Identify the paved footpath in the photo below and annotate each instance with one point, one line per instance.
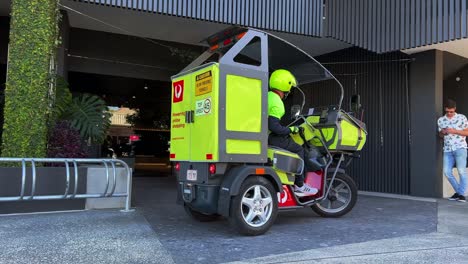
(80, 237)
(430, 248)
(448, 245)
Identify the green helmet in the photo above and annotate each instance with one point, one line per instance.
(282, 80)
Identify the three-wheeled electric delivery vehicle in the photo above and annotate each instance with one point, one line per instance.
(219, 135)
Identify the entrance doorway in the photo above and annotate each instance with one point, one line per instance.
(139, 133)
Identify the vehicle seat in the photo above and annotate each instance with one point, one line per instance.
(285, 160)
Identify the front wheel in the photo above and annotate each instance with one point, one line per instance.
(254, 210)
(341, 198)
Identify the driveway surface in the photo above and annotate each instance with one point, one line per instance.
(193, 242)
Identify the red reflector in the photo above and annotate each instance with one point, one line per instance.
(209, 156)
(227, 42)
(177, 166)
(260, 171)
(212, 168)
(240, 35)
(172, 155)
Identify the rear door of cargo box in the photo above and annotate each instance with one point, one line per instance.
(180, 113)
(204, 126)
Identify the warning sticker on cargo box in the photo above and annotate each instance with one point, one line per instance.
(203, 83)
(203, 107)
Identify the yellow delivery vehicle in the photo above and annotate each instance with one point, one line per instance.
(219, 135)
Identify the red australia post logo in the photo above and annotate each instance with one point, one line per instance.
(178, 91)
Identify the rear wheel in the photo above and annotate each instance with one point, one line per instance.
(341, 198)
(199, 216)
(254, 210)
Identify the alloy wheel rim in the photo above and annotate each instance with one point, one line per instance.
(256, 206)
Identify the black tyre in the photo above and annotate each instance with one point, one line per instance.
(254, 210)
(199, 216)
(341, 198)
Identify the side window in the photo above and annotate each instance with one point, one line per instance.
(251, 54)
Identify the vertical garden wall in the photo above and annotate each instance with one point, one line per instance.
(32, 47)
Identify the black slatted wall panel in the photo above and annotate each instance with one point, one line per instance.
(292, 16)
(384, 162)
(390, 25)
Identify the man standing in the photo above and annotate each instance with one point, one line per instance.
(453, 128)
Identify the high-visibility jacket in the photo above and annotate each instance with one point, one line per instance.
(275, 113)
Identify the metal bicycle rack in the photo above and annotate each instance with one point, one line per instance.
(110, 166)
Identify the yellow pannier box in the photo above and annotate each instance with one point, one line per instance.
(339, 130)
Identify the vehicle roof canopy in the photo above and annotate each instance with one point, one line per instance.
(281, 55)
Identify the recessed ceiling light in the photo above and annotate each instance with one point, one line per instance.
(133, 97)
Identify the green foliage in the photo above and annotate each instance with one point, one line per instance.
(32, 47)
(62, 102)
(89, 115)
(86, 113)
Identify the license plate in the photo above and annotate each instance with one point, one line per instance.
(192, 175)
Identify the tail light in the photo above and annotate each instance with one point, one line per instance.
(227, 42)
(177, 166)
(212, 168)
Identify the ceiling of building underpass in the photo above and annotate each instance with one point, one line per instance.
(121, 91)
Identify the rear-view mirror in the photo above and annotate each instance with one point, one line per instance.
(295, 111)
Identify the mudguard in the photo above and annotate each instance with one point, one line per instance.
(235, 177)
(340, 170)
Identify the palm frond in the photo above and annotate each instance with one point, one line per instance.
(89, 115)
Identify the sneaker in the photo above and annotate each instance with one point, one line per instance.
(454, 197)
(305, 190)
(461, 198)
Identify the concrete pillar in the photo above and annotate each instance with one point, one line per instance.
(426, 105)
(62, 51)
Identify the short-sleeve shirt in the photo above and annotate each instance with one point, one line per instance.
(453, 142)
(275, 105)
